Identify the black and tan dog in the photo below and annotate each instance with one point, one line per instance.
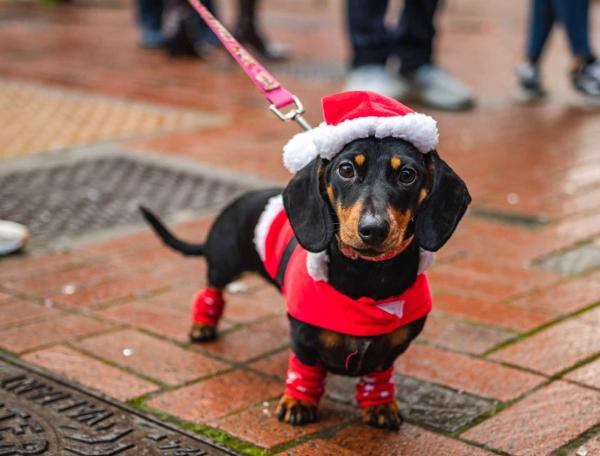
(377, 199)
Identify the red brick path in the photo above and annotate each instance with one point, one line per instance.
(113, 315)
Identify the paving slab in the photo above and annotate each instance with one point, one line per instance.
(553, 349)
(542, 422)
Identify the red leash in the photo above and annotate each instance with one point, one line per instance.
(270, 87)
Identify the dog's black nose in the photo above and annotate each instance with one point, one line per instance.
(373, 230)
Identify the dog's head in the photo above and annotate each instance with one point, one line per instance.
(375, 195)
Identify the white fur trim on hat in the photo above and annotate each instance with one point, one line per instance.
(273, 207)
(326, 141)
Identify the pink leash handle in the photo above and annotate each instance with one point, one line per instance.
(277, 95)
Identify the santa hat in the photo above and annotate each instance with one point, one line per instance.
(354, 115)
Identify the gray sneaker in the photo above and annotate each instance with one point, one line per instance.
(435, 88)
(587, 79)
(13, 237)
(530, 83)
(375, 78)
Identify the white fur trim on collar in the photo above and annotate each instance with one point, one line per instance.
(317, 263)
(426, 260)
(274, 206)
(326, 141)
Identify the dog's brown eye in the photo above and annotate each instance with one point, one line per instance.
(407, 176)
(346, 170)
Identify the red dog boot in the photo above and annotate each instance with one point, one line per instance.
(207, 310)
(304, 387)
(375, 394)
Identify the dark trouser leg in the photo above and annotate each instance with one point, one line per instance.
(150, 14)
(574, 15)
(205, 33)
(414, 38)
(369, 37)
(541, 20)
(247, 31)
(246, 15)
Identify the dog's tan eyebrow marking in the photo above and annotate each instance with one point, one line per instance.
(423, 194)
(395, 162)
(360, 159)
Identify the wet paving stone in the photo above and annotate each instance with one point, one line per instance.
(576, 260)
(422, 402)
(43, 415)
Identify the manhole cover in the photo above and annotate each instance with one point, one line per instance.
(575, 260)
(42, 415)
(74, 198)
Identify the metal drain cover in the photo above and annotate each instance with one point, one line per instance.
(46, 416)
(77, 197)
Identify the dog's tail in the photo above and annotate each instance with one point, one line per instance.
(168, 238)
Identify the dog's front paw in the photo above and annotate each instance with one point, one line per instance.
(202, 333)
(385, 416)
(296, 412)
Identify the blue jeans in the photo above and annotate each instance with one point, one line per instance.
(573, 14)
(373, 43)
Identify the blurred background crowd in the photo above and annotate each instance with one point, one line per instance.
(392, 50)
(394, 57)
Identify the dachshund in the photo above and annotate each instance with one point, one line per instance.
(359, 227)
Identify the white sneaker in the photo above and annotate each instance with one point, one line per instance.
(436, 88)
(13, 237)
(375, 78)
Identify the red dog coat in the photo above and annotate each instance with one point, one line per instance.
(318, 303)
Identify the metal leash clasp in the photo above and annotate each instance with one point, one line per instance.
(294, 114)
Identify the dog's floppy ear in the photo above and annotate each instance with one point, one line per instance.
(307, 209)
(444, 206)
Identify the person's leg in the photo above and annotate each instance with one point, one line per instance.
(424, 81)
(150, 20)
(205, 33)
(541, 20)
(415, 34)
(248, 32)
(585, 74)
(371, 45)
(369, 37)
(574, 15)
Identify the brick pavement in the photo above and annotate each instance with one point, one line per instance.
(509, 360)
